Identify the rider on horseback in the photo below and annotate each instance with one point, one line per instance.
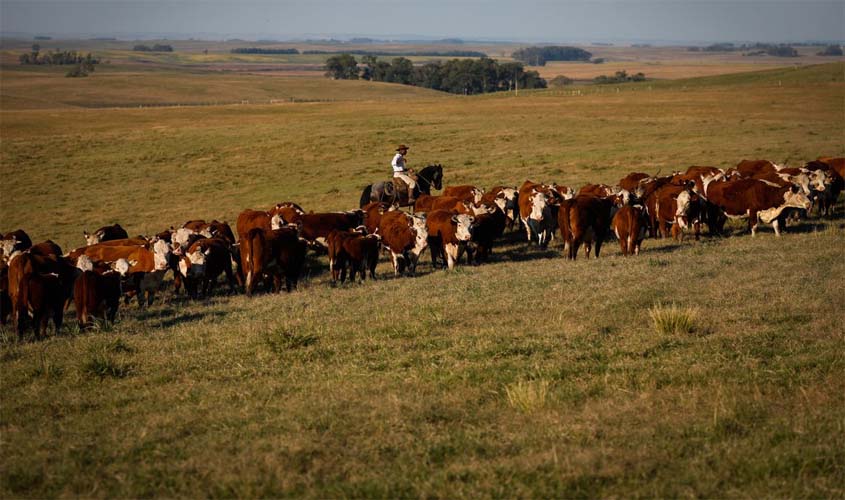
(401, 172)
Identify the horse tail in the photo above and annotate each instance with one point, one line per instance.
(366, 195)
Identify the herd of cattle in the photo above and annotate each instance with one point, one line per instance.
(39, 281)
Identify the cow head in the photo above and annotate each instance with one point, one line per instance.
(538, 204)
(91, 239)
(819, 180)
(7, 247)
(462, 226)
(181, 236)
(485, 208)
(162, 251)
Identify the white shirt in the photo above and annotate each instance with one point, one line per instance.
(398, 163)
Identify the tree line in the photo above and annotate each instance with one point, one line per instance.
(257, 50)
(59, 57)
(155, 48)
(781, 50)
(448, 53)
(537, 56)
(457, 76)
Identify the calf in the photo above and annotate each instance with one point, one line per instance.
(584, 219)
(354, 250)
(105, 233)
(448, 233)
(630, 225)
(507, 199)
(405, 236)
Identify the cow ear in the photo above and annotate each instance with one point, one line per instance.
(207, 251)
(455, 219)
(86, 234)
(132, 263)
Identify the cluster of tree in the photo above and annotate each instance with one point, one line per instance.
(58, 57)
(619, 77)
(458, 76)
(448, 53)
(560, 81)
(537, 56)
(256, 50)
(155, 48)
(781, 50)
(831, 50)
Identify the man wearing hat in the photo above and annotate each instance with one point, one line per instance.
(400, 171)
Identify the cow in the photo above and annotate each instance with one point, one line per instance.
(584, 219)
(405, 236)
(538, 204)
(5, 300)
(755, 200)
(467, 193)
(426, 203)
(834, 171)
(289, 211)
(317, 226)
(251, 219)
(203, 262)
(14, 241)
(105, 233)
(355, 250)
(486, 229)
(274, 254)
(372, 214)
(507, 199)
(151, 262)
(633, 182)
(97, 290)
(750, 168)
(630, 226)
(676, 205)
(39, 284)
(448, 233)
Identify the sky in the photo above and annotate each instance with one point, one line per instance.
(528, 20)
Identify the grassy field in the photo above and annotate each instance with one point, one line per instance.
(529, 377)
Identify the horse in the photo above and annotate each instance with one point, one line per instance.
(385, 191)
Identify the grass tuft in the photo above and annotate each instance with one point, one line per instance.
(102, 364)
(46, 368)
(673, 319)
(527, 396)
(281, 340)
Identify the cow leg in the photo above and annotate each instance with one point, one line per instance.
(230, 278)
(451, 252)
(753, 222)
(58, 318)
(776, 226)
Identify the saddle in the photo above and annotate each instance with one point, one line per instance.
(397, 186)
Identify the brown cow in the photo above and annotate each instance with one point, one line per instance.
(272, 254)
(97, 291)
(39, 284)
(105, 233)
(372, 214)
(251, 219)
(755, 200)
(289, 211)
(538, 205)
(427, 203)
(354, 250)
(448, 233)
(14, 241)
(584, 219)
(317, 226)
(675, 205)
(204, 261)
(630, 225)
(405, 236)
(633, 182)
(750, 168)
(834, 184)
(467, 193)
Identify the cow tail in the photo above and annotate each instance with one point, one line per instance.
(365, 196)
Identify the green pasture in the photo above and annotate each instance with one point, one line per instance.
(528, 377)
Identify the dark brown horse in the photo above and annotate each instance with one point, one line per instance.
(385, 191)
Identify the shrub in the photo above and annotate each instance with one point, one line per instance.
(527, 396)
(673, 320)
(831, 50)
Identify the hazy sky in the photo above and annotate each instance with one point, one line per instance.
(561, 20)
